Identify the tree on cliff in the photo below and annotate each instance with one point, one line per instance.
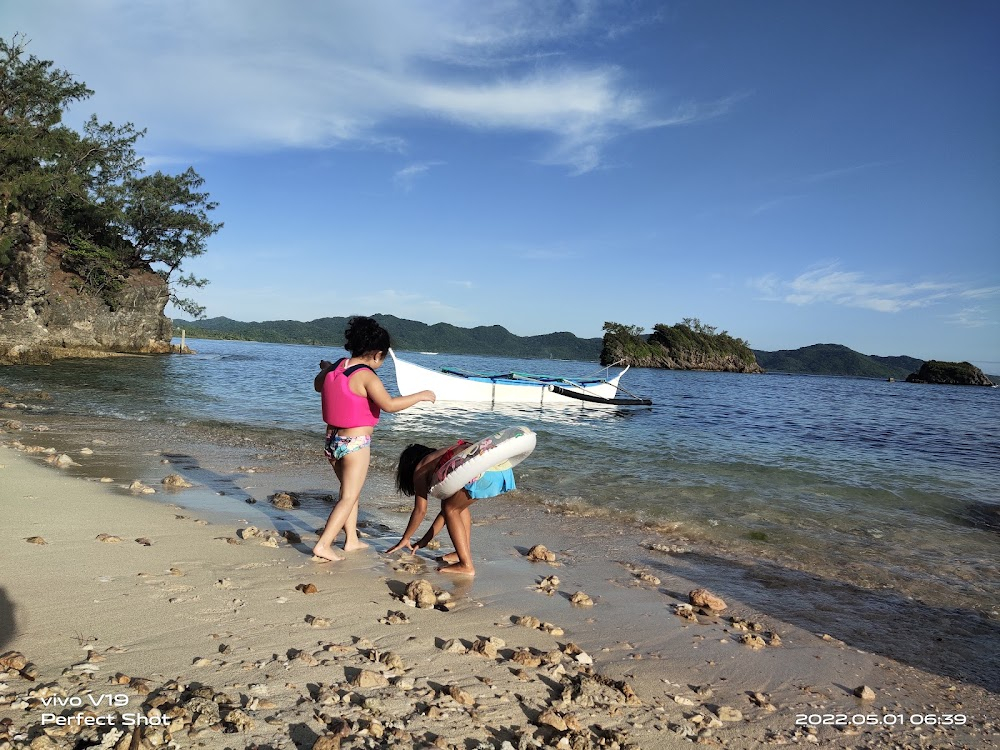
(88, 187)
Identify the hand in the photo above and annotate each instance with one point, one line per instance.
(429, 396)
(400, 545)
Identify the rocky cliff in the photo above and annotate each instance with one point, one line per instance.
(671, 359)
(686, 346)
(48, 312)
(949, 373)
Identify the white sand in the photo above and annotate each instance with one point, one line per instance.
(193, 610)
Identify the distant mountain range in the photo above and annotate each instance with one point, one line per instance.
(836, 359)
(407, 335)
(410, 335)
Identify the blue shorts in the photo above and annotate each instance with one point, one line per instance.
(491, 484)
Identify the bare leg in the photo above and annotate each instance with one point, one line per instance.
(352, 470)
(452, 557)
(351, 540)
(458, 519)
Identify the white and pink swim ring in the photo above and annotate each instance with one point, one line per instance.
(508, 447)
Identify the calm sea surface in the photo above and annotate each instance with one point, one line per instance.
(884, 485)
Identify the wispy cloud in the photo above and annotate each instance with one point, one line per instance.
(973, 317)
(771, 204)
(833, 174)
(982, 292)
(405, 178)
(829, 284)
(250, 74)
(413, 306)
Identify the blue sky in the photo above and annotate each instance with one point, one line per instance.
(792, 172)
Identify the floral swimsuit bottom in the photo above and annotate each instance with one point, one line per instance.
(335, 447)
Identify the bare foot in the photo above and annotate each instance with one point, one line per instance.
(458, 569)
(326, 553)
(355, 546)
(451, 557)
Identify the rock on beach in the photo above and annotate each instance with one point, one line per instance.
(705, 598)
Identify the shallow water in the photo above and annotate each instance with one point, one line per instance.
(882, 485)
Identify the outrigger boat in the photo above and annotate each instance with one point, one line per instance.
(450, 384)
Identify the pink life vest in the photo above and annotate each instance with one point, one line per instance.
(341, 407)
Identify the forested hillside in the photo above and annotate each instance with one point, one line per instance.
(406, 335)
(836, 359)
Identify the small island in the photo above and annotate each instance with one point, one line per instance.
(689, 345)
(949, 373)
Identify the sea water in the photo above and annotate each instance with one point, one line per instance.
(877, 484)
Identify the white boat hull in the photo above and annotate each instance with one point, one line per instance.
(411, 378)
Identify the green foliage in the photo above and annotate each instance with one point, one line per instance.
(690, 342)
(100, 269)
(836, 359)
(624, 342)
(6, 252)
(949, 373)
(88, 186)
(691, 337)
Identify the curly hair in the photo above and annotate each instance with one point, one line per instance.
(412, 455)
(364, 335)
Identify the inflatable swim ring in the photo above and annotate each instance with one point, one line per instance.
(508, 447)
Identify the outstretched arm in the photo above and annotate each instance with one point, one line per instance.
(378, 394)
(416, 518)
(432, 532)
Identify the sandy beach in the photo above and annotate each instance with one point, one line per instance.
(135, 619)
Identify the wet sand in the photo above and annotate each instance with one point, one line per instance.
(203, 634)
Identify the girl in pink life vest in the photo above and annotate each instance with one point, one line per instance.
(353, 397)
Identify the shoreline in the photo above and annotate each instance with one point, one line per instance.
(631, 632)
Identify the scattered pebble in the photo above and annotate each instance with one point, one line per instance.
(705, 598)
(421, 593)
(394, 618)
(728, 713)
(548, 585)
(175, 481)
(540, 553)
(865, 693)
(285, 500)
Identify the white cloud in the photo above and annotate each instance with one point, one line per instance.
(254, 74)
(830, 285)
(405, 177)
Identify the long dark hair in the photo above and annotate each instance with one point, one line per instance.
(412, 455)
(365, 335)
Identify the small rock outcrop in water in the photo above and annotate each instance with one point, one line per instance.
(949, 373)
(689, 345)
